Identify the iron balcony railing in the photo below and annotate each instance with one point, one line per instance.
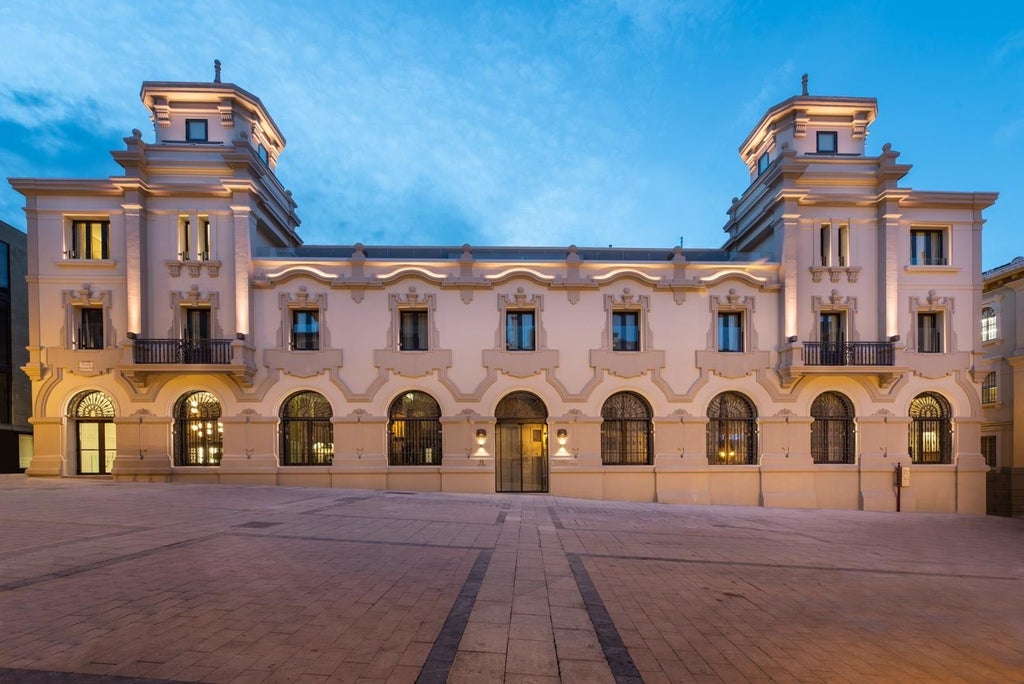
(848, 353)
(182, 351)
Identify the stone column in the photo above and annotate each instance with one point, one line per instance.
(970, 466)
(575, 468)
(249, 450)
(787, 471)
(883, 441)
(48, 452)
(681, 465)
(468, 463)
(143, 442)
(360, 451)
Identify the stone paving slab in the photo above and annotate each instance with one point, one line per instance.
(117, 582)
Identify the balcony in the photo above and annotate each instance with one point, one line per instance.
(849, 353)
(149, 356)
(181, 351)
(798, 359)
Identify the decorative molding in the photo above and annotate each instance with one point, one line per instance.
(733, 302)
(194, 298)
(521, 301)
(627, 301)
(301, 299)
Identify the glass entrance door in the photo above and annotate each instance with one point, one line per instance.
(97, 446)
(522, 457)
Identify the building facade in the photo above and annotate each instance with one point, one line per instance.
(15, 390)
(180, 330)
(1002, 339)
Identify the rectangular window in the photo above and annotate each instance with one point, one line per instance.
(414, 333)
(832, 327)
(89, 240)
(762, 163)
(927, 247)
(730, 332)
(988, 450)
(520, 331)
(305, 329)
(196, 130)
(989, 389)
(844, 245)
(261, 152)
(825, 244)
(203, 239)
(184, 238)
(828, 142)
(197, 324)
(626, 331)
(989, 324)
(90, 328)
(5, 266)
(929, 333)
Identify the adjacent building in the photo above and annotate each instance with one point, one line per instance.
(180, 330)
(15, 390)
(1002, 340)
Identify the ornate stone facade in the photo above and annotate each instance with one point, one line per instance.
(831, 338)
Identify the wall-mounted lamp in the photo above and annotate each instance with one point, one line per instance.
(791, 338)
(239, 336)
(132, 336)
(894, 338)
(481, 436)
(563, 436)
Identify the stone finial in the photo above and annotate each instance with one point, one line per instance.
(216, 71)
(803, 84)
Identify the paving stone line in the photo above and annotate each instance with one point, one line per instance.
(793, 566)
(96, 565)
(615, 651)
(442, 654)
(20, 676)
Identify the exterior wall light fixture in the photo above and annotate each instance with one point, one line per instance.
(563, 436)
(481, 436)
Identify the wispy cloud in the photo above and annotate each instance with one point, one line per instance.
(1005, 48)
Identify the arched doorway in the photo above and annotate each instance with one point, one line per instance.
(95, 432)
(522, 444)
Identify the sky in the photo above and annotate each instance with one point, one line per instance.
(602, 122)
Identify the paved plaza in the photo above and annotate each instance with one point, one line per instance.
(140, 582)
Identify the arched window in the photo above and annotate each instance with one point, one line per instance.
(96, 444)
(832, 429)
(931, 430)
(307, 436)
(198, 432)
(732, 430)
(414, 430)
(989, 324)
(989, 389)
(626, 430)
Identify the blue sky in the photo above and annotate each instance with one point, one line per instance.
(594, 123)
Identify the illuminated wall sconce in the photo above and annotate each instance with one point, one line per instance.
(563, 436)
(791, 338)
(481, 436)
(239, 336)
